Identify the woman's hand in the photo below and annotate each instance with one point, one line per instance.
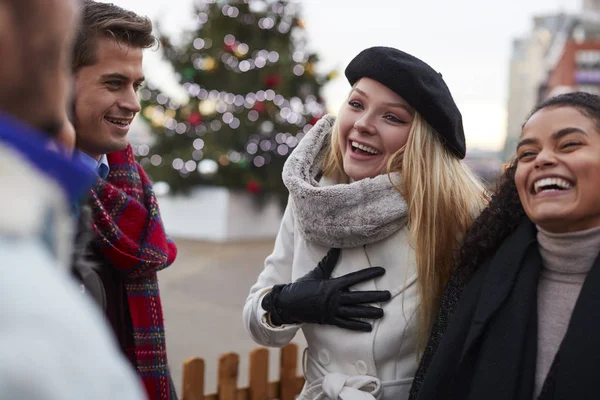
(318, 299)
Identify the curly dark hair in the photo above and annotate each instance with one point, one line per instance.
(499, 219)
(505, 212)
(586, 103)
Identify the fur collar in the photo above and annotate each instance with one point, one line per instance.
(340, 215)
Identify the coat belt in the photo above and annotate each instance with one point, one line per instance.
(338, 386)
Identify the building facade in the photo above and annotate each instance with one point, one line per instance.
(561, 54)
(527, 73)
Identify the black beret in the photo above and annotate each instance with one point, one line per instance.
(417, 83)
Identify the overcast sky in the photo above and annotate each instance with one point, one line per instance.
(468, 41)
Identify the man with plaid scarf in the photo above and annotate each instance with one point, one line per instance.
(130, 244)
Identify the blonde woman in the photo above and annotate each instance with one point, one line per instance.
(379, 202)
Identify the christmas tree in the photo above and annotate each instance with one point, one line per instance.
(253, 93)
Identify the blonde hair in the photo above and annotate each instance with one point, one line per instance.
(444, 197)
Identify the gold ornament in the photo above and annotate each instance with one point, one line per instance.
(207, 107)
(310, 69)
(185, 112)
(158, 120)
(148, 112)
(224, 160)
(155, 115)
(209, 64)
(301, 23)
(170, 113)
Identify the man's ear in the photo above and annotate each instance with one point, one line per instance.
(71, 109)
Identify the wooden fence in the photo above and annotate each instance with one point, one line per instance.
(288, 386)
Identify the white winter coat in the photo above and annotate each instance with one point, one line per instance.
(341, 363)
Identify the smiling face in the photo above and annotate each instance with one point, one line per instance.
(106, 97)
(558, 170)
(373, 125)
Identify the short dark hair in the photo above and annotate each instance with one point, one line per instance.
(586, 103)
(26, 14)
(108, 20)
(21, 10)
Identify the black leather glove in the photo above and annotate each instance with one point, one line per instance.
(318, 299)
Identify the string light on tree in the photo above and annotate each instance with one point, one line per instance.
(251, 98)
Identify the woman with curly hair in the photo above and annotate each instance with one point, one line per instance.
(520, 317)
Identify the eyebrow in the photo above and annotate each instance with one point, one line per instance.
(400, 105)
(555, 136)
(122, 77)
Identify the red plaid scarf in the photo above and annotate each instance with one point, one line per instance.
(133, 239)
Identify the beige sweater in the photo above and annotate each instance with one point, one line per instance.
(567, 258)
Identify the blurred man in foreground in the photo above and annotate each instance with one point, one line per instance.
(54, 343)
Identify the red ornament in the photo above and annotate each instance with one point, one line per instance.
(273, 80)
(259, 106)
(315, 120)
(253, 186)
(195, 118)
(229, 48)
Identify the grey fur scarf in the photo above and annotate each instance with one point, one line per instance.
(340, 215)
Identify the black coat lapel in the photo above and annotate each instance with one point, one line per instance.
(439, 375)
(500, 279)
(441, 380)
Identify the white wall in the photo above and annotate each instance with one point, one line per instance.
(218, 215)
(246, 221)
